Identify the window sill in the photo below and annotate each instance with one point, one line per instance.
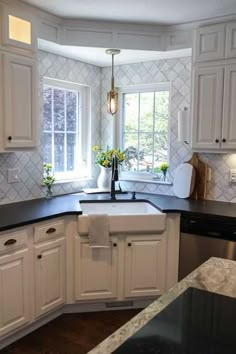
(71, 180)
(153, 181)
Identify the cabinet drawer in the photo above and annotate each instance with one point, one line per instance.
(13, 240)
(49, 231)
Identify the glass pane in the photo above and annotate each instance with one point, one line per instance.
(59, 109)
(131, 109)
(160, 148)
(161, 127)
(131, 147)
(47, 147)
(145, 152)
(71, 111)
(71, 146)
(161, 110)
(146, 111)
(47, 108)
(59, 152)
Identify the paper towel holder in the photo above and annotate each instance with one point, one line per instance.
(183, 126)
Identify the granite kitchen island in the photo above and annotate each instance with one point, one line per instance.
(216, 275)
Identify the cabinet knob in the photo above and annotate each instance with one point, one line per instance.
(114, 244)
(224, 140)
(129, 244)
(9, 138)
(39, 256)
(217, 140)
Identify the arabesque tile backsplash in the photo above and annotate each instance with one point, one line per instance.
(177, 71)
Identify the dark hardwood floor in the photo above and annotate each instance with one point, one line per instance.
(71, 333)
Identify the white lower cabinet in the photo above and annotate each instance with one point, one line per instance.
(96, 270)
(50, 282)
(145, 258)
(14, 290)
(134, 265)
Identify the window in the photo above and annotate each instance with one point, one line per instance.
(64, 128)
(145, 126)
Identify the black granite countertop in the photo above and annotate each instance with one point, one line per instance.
(27, 212)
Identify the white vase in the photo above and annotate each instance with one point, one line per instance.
(104, 179)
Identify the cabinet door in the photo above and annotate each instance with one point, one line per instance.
(209, 43)
(229, 111)
(145, 258)
(96, 270)
(231, 40)
(207, 98)
(20, 102)
(14, 291)
(49, 275)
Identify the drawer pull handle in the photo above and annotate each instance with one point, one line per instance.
(129, 244)
(9, 138)
(39, 256)
(51, 230)
(114, 244)
(9, 242)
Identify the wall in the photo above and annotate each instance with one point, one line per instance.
(178, 72)
(31, 163)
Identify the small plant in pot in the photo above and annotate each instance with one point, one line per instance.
(48, 179)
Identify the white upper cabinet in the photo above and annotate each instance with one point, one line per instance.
(231, 40)
(19, 102)
(207, 107)
(209, 43)
(229, 111)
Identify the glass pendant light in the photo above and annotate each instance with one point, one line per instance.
(112, 95)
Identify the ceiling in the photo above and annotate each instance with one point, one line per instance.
(139, 11)
(97, 56)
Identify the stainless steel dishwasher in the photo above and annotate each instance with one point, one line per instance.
(202, 237)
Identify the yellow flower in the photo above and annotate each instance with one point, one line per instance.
(105, 163)
(95, 148)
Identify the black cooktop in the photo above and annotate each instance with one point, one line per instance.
(197, 322)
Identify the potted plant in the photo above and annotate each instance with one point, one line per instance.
(104, 161)
(48, 179)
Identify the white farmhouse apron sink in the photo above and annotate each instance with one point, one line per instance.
(124, 216)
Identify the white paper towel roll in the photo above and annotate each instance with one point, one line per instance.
(183, 126)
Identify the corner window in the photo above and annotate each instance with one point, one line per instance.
(64, 128)
(144, 127)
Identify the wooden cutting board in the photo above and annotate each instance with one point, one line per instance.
(200, 190)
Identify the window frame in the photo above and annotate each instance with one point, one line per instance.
(119, 124)
(83, 134)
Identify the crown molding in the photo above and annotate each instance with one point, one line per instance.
(107, 34)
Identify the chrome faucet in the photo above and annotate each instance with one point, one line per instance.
(114, 177)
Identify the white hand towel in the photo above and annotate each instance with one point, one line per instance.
(98, 230)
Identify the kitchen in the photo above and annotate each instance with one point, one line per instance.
(42, 64)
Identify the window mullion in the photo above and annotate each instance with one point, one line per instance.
(138, 131)
(65, 135)
(52, 112)
(153, 131)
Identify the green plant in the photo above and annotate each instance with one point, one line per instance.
(104, 157)
(48, 178)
